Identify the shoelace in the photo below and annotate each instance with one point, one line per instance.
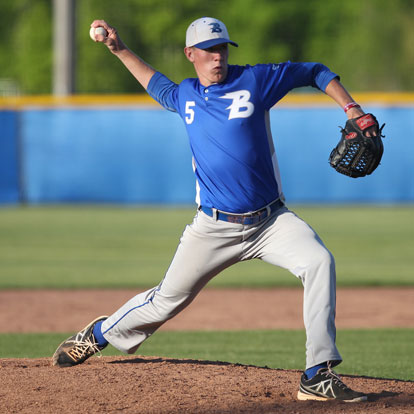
(330, 373)
(82, 346)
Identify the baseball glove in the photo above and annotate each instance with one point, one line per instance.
(357, 155)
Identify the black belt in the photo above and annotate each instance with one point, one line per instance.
(249, 218)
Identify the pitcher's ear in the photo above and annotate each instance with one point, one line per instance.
(189, 53)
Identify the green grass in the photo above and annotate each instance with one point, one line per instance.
(383, 353)
(110, 247)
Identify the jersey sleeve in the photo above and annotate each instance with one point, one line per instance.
(164, 91)
(276, 80)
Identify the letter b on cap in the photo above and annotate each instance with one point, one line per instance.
(215, 28)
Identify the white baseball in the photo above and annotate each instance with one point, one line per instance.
(97, 31)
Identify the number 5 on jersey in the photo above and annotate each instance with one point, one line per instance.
(189, 112)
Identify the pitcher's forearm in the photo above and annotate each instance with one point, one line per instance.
(342, 97)
(141, 70)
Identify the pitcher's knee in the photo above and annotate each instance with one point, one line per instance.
(166, 308)
(320, 264)
(325, 258)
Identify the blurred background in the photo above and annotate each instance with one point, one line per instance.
(76, 127)
(369, 42)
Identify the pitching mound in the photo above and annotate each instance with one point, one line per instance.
(161, 385)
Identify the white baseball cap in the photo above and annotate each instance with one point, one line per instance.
(207, 32)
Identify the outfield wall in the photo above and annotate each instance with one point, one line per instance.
(129, 150)
(9, 165)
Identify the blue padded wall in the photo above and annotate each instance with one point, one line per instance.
(141, 155)
(9, 168)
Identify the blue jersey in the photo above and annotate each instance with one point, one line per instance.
(228, 127)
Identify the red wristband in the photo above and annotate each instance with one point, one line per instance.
(347, 107)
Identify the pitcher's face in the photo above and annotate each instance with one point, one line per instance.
(210, 64)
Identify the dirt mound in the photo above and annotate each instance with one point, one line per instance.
(162, 385)
(159, 385)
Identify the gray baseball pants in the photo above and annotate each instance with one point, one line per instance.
(209, 246)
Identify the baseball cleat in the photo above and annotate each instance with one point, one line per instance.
(79, 347)
(326, 385)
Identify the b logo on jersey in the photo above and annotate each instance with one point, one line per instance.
(215, 28)
(241, 107)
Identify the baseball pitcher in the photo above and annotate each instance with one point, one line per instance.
(241, 213)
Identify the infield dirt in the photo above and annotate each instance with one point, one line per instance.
(137, 384)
